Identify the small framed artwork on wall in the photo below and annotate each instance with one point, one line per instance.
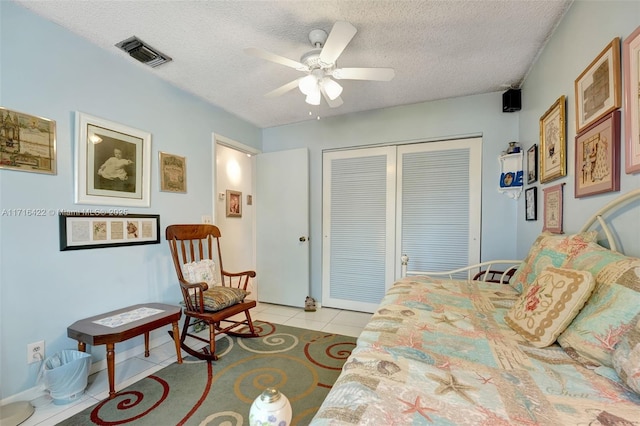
(553, 199)
(553, 143)
(631, 63)
(532, 164)
(234, 203)
(531, 203)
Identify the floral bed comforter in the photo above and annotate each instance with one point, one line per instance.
(438, 352)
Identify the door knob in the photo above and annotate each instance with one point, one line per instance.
(303, 239)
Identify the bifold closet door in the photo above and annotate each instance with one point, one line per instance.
(358, 227)
(439, 204)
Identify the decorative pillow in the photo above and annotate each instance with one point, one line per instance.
(202, 271)
(551, 302)
(626, 357)
(548, 250)
(609, 312)
(219, 297)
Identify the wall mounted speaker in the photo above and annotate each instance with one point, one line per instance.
(511, 100)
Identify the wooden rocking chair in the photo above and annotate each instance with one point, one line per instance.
(212, 303)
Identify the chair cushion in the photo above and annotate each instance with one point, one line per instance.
(201, 271)
(549, 305)
(592, 336)
(218, 297)
(548, 250)
(626, 356)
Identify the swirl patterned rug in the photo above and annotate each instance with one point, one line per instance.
(302, 364)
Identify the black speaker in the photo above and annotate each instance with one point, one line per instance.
(511, 100)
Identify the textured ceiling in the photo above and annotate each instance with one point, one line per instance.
(439, 49)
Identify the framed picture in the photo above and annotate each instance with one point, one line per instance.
(87, 231)
(532, 164)
(531, 203)
(631, 60)
(234, 203)
(27, 142)
(553, 142)
(553, 209)
(598, 87)
(598, 157)
(113, 163)
(173, 173)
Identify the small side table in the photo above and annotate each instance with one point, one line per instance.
(91, 331)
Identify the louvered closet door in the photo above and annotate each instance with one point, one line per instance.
(439, 200)
(358, 227)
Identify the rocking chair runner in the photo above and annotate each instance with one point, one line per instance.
(205, 303)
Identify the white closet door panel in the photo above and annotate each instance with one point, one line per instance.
(358, 227)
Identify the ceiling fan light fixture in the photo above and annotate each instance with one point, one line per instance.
(331, 88)
(308, 84)
(313, 98)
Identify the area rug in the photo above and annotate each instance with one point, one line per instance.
(302, 364)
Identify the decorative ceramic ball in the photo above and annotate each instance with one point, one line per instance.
(271, 408)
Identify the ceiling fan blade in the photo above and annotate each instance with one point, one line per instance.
(282, 89)
(253, 51)
(376, 74)
(332, 103)
(340, 36)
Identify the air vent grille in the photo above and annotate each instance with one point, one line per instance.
(142, 52)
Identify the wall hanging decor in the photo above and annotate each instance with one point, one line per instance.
(598, 157)
(87, 231)
(553, 142)
(631, 61)
(511, 174)
(27, 142)
(553, 199)
(173, 172)
(597, 89)
(531, 203)
(113, 163)
(532, 164)
(234, 203)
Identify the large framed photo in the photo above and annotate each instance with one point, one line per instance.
(27, 142)
(598, 88)
(531, 203)
(631, 60)
(598, 157)
(87, 231)
(234, 203)
(173, 173)
(553, 142)
(113, 163)
(553, 200)
(532, 164)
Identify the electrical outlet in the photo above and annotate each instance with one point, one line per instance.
(35, 352)
(206, 219)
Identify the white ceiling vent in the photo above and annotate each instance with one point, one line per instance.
(142, 52)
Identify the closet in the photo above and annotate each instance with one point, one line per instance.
(421, 199)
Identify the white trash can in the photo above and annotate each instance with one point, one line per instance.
(65, 375)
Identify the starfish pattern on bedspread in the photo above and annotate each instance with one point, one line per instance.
(451, 384)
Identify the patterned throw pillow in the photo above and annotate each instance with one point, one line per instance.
(609, 312)
(202, 271)
(219, 297)
(549, 250)
(626, 356)
(549, 305)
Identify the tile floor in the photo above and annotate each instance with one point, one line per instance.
(133, 369)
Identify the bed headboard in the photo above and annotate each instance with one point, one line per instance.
(602, 219)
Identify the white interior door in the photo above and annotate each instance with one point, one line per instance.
(282, 227)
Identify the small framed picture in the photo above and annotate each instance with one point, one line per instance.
(234, 203)
(553, 199)
(27, 142)
(173, 173)
(532, 164)
(598, 88)
(631, 63)
(531, 203)
(553, 142)
(89, 231)
(598, 157)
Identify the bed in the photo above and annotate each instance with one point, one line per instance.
(559, 344)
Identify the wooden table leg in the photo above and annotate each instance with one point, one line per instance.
(146, 344)
(176, 339)
(111, 355)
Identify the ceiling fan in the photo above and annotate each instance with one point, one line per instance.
(321, 68)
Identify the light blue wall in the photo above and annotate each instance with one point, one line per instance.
(49, 72)
(471, 115)
(587, 28)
